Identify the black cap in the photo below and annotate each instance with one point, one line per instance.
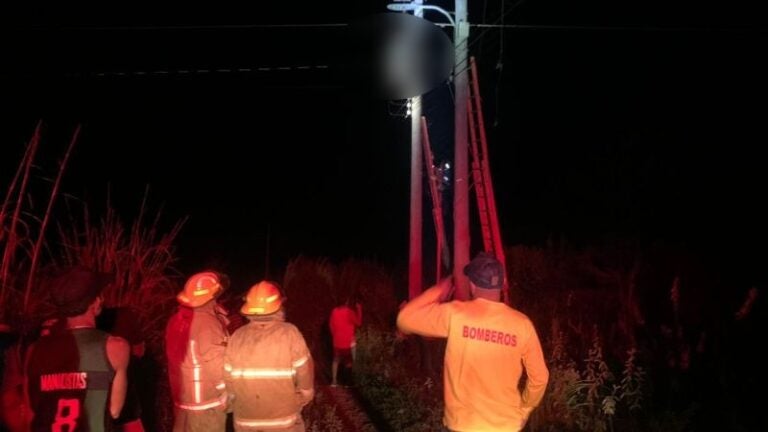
(485, 271)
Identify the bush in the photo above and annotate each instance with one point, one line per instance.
(396, 398)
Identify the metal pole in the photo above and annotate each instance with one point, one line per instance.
(415, 255)
(461, 173)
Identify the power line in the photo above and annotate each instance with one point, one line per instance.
(442, 25)
(199, 71)
(199, 27)
(645, 29)
(622, 28)
(498, 23)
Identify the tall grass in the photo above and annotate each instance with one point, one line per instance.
(603, 342)
(23, 233)
(139, 256)
(15, 233)
(44, 224)
(22, 242)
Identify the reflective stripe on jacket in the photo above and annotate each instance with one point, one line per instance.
(195, 342)
(270, 373)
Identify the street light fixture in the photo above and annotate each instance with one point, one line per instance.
(407, 7)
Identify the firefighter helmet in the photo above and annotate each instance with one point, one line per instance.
(264, 298)
(202, 288)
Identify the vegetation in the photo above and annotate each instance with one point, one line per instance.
(637, 337)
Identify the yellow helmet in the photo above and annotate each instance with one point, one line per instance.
(201, 288)
(264, 298)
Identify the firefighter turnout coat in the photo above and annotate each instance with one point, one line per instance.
(270, 374)
(195, 343)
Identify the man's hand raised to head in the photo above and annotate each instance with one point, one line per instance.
(447, 289)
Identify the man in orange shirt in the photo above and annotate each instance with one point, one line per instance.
(489, 344)
(343, 322)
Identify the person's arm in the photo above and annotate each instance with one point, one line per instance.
(425, 315)
(210, 344)
(536, 369)
(304, 368)
(119, 354)
(210, 348)
(228, 379)
(209, 336)
(27, 411)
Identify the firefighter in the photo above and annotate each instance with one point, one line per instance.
(195, 339)
(489, 344)
(76, 376)
(269, 370)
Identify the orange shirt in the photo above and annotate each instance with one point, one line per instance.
(489, 343)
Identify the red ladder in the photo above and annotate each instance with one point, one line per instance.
(481, 175)
(437, 209)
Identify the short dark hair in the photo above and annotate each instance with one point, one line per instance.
(73, 289)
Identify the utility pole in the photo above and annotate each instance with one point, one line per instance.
(415, 253)
(461, 151)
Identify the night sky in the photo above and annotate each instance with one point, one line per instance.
(647, 122)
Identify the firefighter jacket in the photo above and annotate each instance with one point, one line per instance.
(270, 374)
(489, 343)
(195, 340)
